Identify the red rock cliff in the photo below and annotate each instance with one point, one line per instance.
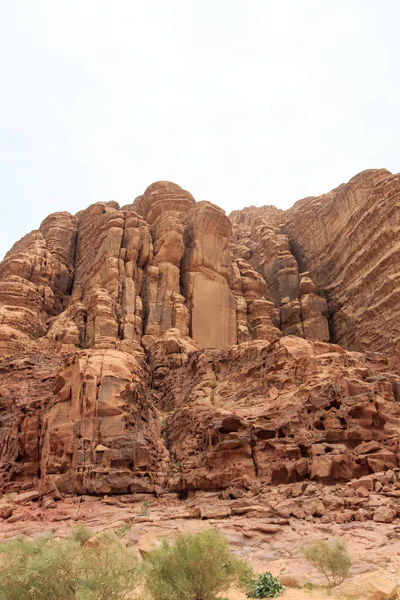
(163, 345)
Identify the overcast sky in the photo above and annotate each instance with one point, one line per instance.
(239, 101)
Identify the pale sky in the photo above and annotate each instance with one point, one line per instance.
(239, 101)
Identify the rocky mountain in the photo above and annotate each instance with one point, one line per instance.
(163, 345)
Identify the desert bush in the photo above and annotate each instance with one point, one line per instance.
(39, 569)
(196, 567)
(329, 558)
(109, 571)
(265, 586)
(81, 534)
(47, 569)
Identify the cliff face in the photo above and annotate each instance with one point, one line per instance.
(163, 345)
(354, 253)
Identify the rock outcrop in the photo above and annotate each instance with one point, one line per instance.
(279, 412)
(349, 241)
(163, 345)
(298, 308)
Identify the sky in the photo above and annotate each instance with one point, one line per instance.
(239, 101)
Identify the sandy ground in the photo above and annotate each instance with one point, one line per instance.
(288, 594)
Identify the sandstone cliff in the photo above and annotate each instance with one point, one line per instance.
(165, 346)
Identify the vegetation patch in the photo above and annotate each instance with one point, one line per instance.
(265, 586)
(47, 569)
(196, 567)
(329, 558)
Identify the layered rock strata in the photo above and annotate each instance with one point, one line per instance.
(164, 346)
(353, 254)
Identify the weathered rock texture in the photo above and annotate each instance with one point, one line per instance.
(165, 346)
(349, 241)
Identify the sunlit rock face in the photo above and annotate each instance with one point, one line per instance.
(164, 345)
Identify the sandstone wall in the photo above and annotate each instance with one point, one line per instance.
(349, 240)
(164, 346)
(277, 412)
(114, 277)
(90, 295)
(298, 308)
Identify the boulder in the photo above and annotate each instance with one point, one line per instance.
(215, 512)
(147, 542)
(371, 586)
(384, 514)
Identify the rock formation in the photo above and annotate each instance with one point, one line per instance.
(352, 254)
(165, 346)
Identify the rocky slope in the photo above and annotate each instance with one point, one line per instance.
(162, 346)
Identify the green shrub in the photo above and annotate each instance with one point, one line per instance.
(47, 569)
(81, 534)
(110, 572)
(197, 567)
(265, 586)
(41, 569)
(329, 558)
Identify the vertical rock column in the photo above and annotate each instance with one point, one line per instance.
(259, 311)
(101, 228)
(59, 230)
(26, 293)
(301, 311)
(314, 310)
(281, 272)
(206, 269)
(135, 253)
(113, 248)
(164, 205)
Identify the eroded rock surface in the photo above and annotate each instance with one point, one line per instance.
(349, 241)
(164, 346)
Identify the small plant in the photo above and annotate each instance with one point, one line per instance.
(329, 558)
(265, 586)
(197, 567)
(310, 586)
(175, 465)
(144, 511)
(167, 406)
